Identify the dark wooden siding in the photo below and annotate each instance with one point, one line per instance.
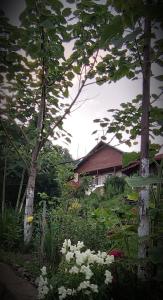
(104, 158)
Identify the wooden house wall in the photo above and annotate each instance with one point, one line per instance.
(104, 158)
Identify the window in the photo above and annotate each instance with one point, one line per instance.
(100, 179)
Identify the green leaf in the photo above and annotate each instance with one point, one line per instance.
(103, 124)
(111, 30)
(66, 93)
(70, 75)
(68, 139)
(103, 137)
(94, 132)
(96, 120)
(66, 12)
(133, 196)
(118, 136)
(76, 69)
(132, 36)
(139, 181)
(128, 143)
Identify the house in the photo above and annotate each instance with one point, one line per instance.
(134, 166)
(101, 162)
(104, 161)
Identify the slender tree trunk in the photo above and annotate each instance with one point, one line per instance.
(29, 203)
(4, 187)
(143, 228)
(35, 152)
(20, 190)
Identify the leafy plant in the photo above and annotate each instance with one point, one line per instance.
(114, 185)
(10, 230)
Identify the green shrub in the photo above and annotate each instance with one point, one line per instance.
(10, 230)
(114, 185)
(71, 224)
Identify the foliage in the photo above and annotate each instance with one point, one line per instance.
(114, 185)
(85, 182)
(129, 157)
(123, 42)
(11, 230)
(75, 221)
(128, 119)
(53, 171)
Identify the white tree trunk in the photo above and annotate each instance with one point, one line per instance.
(143, 228)
(29, 204)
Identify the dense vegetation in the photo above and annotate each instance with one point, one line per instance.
(87, 247)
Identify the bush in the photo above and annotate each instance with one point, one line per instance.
(10, 230)
(114, 185)
(75, 225)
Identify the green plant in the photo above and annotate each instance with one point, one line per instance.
(10, 229)
(81, 274)
(73, 222)
(114, 185)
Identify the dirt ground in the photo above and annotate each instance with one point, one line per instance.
(13, 287)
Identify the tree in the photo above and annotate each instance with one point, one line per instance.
(39, 79)
(144, 221)
(129, 157)
(130, 35)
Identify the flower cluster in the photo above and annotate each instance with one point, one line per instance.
(116, 253)
(43, 287)
(83, 263)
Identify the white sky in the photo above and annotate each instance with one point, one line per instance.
(101, 98)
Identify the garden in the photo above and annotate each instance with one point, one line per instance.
(85, 247)
(70, 245)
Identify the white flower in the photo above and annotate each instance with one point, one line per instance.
(43, 270)
(69, 256)
(109, 259)
(99, 260)
(83, 285)
(17, 121)
(108, 276)
(80, 245)
(61, 297)
(42, 281)
(83, 261)
(63, 250)
(87, 271)
(4, 117)
(69, 292)
(74, 270)
(80, 257)
(94, 288)
(62, 292)
(68, 242)
(91, 258)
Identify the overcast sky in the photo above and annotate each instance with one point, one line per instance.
(100, 98)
